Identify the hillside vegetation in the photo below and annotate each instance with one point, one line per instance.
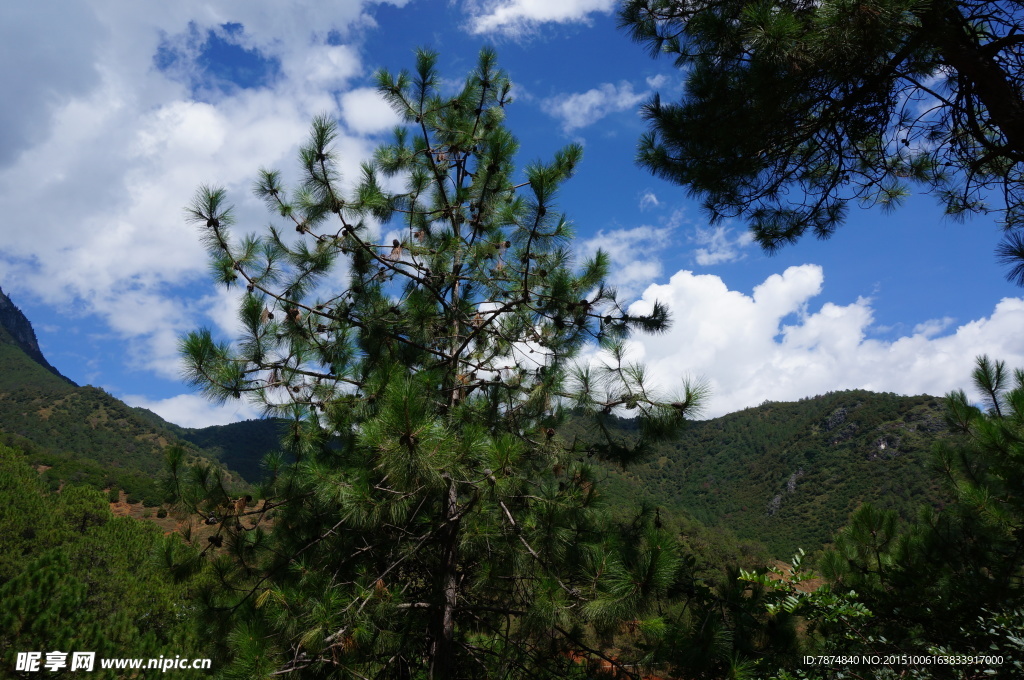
(239, 446)
(73, 577)
(789, 474)
(80, 435)
(782, 475)
(786, 475)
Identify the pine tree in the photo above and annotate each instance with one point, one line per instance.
(81, 580)
(793, 111)
(951, 582)
(419, 327)
(26, 527)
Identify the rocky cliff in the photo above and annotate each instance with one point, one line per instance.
(20, 331)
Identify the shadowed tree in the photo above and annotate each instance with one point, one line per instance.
(419, 327)
(794, 110)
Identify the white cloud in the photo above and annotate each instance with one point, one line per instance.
(586, 108)
(654, 82)
(514, 17)
(718, 245)
(580, 109)
(365, 112)
(741, 344)
(933, 327)
(193, 410)
(649, 200)
(323, 66)
(635, 255)
(103, 149)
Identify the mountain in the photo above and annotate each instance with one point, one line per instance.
(78, 434)
(783, 474)
(241, 446)
(789, 474)
(786, 475)
(15, 328)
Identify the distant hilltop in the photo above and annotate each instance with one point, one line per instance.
(21, 332)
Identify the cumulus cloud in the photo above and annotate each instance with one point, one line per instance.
(191, 410)
(635, 255)
(323, 66)
(365, 112)
(776, 344)
(514, 17)
(718, 245)
(933, 327)
(105, 146)
(586, 108)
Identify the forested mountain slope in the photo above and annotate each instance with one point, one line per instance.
(240, 446)
(16, 329)
(74, 577)
(78, 434)
(787, 475)
(790, 474)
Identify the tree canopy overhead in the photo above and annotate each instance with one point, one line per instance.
(419, 325)
(793, 109)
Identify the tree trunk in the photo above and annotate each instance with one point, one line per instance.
(442, 648)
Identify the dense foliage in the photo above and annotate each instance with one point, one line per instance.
(794, 110)
(75, 578)
(419, 327)
(788, 474)
(951, 582)
(82, 435)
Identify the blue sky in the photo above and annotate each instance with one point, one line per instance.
(115, 111)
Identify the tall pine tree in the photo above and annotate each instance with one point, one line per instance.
(433, 523)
